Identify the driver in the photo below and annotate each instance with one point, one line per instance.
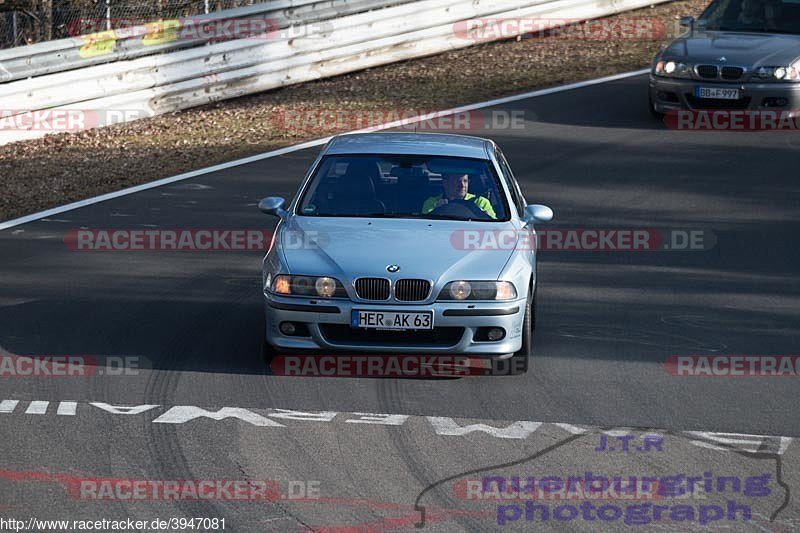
(752, 15)
(456, 187)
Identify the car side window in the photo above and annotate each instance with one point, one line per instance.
(513, 186)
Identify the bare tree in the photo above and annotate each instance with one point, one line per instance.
(47, 16)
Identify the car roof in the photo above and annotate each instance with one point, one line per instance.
(410, 143)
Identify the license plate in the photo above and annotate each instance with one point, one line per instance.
(391, 319)
(717, 93)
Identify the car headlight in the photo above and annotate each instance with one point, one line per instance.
(672, 69)
(322, 286)
(791, 73)
(478, 290)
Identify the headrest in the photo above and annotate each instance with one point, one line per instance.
(356, 184)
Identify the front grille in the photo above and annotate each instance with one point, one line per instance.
(711, 103)
(372, 288)
(412, 290)
(732, 73)
(438, 337)
(708, 72)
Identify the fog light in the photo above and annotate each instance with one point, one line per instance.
(494, 334)
(489, 334)
(287, 328)
(775, 102)
(665, 96)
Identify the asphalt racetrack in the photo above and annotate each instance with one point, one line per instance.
(327, 450)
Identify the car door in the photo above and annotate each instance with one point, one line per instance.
(519, 203)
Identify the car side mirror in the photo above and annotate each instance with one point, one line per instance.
(273, 205)
(687, 21)
(538, 213)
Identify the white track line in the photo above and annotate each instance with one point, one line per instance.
(309, 144)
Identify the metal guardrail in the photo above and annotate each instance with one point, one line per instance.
(182, 79)
(168, 35)
(142, 73)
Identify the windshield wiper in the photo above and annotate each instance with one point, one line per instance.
(366, 215)
(427, 216)
(453, 217)
(391, 215)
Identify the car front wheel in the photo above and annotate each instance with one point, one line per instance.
(653, 111)
(267, 350)
(517, 364)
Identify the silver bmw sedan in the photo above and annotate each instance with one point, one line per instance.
(404, 243)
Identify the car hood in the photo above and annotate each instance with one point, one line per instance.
(739, 48)
(354, 247)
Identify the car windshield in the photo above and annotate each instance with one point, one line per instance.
(405, 186)
(773, 16)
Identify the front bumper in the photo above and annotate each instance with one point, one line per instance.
(668, 94)
(328, 323)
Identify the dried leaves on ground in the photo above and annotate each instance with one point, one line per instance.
(67, 167)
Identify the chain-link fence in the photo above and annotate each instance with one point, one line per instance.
(32, 21)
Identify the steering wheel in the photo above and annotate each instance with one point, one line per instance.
(461, 208)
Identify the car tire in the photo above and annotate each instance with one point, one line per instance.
(517, 364)
(657, 114)
(267, 350)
